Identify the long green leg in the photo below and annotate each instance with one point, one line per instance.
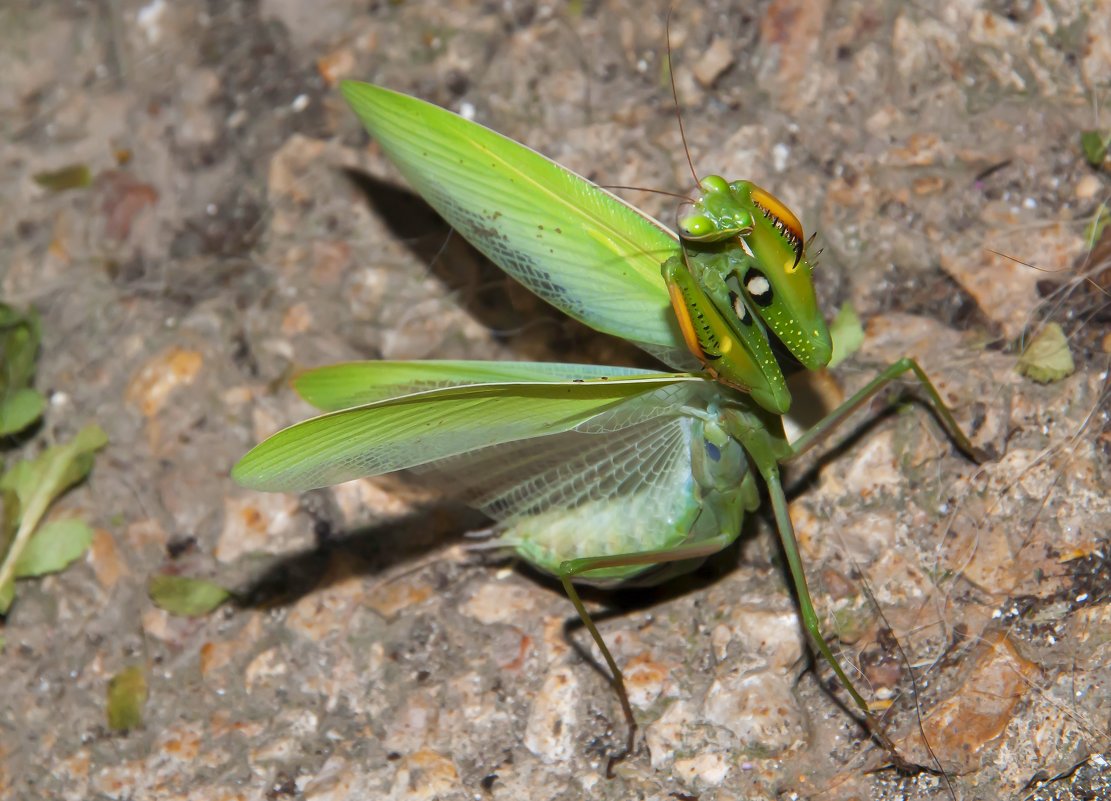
(577, 567)
(794, 563)
(806, 605)
(826, 425)
(809, 439)
(767, 447)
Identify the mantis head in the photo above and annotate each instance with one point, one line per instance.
(774, 272)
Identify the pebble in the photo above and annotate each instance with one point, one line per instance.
(1088, 187)
(553, 718)
(964, 725)
(715, 60)
(759, 708)
(704, 770)
(499, 602)
(423, 776)
(163, 374)
(256, 522)
(105, 559)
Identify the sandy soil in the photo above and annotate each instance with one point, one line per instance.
(241, 226)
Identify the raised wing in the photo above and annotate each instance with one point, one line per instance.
(582, 249)
(426, 426)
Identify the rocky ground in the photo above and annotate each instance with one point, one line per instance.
(240, 226)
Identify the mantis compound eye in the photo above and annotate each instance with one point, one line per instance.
(714, 217)
(695, 225)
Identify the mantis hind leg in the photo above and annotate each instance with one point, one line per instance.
(825, 426)
(798, 576)
(574, 568)
(806, 605)
(808, 440)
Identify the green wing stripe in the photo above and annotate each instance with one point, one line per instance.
(426, 426)
(341, 386)
(575, 245)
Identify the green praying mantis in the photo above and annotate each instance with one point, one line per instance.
(594, 474)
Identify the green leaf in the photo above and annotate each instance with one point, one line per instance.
(127, 694)
(7, 595)
(1047, 358)
(74, 176)
(56, 469)
(31, 486)
(1094, 144)
(19, 345)
(1093, 232)
(847, 334)
(19, 409)
(181, 595)
(53, 547)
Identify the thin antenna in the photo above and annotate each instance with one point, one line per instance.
(675, 97)
(1087, 279)
(646, 189)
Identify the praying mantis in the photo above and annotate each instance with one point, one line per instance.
(594, 474)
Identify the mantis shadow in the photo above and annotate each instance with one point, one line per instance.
(515, 317)
(365, 550)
